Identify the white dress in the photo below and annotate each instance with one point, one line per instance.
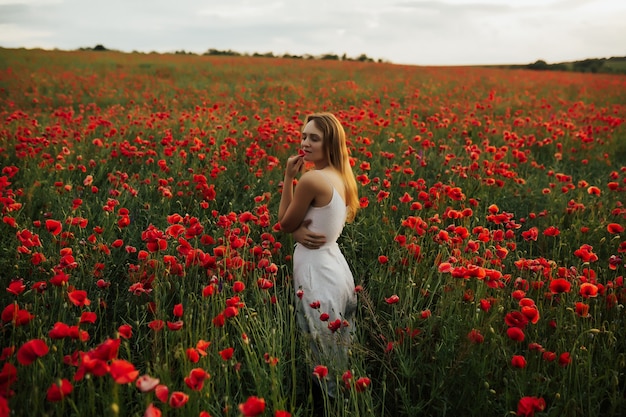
(322, 276)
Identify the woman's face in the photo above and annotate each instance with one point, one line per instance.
(313, 143)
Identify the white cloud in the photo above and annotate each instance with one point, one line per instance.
(424, 32)
(14, 34)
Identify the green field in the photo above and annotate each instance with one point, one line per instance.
(145, 273)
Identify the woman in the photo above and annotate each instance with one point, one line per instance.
(315, 212)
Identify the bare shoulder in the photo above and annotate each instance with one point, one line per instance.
(314, 183)
(312, 179)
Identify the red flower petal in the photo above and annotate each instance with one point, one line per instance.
(31, 350)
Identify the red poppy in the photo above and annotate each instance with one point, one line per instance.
(8, 376)
(475, 336)
(90, 365)
(16, 287)
(588, 290)
(551, 231)
(12, 313)
(392, 300)
(77, 334)
(516, 319)
(59, 331)
(175, 325)
(152, 411)
(614, 228)
(123, 372)
(516, 334)
(219, 320)
(192, 354)
(175, 230)
(208, 290)
(88, 317)
(320, 371)
(10, 221)
(57, 392)
(585, 253)
(527, 406)
(37, 258)
(125, 331)
(178, 399)
(518, 361)
(362, 383)
(107, 350)
(531, 234)
(582, 309)
(560, 285)
(202, 346)
(162, 392)
(238, 286)
(406, 198)
(231, 311)
(614, 262)
(565, 359)
(31, 350)
(40, 286)
(254, 406)
(501, 252)
(593, 190)
(333, 326)
(531, 313)
(264, 283)
(79, 298)
(156, 325)
(227, 353)
(196, 378)
(178, 310)
(53, 226)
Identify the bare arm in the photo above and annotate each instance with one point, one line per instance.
(294, 205)
(294, 164)
(304, 236)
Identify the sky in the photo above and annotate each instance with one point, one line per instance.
(413, 32)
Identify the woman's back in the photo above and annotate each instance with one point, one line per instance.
(329, 219)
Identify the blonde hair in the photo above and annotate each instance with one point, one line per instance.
(336, 149)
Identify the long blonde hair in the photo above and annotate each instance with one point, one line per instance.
(334, 142)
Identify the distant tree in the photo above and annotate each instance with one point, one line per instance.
(330, 57)
(99, 48)
(214, 51)
(538, 65)
(265, 55)
(589, 65)
(559, 67)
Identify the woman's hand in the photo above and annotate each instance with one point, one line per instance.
(307, 238)
(294, 166)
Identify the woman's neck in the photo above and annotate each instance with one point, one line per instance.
(322, 165)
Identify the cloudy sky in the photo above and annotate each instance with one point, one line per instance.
(418, 32)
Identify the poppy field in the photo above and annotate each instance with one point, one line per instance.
(143, 271)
